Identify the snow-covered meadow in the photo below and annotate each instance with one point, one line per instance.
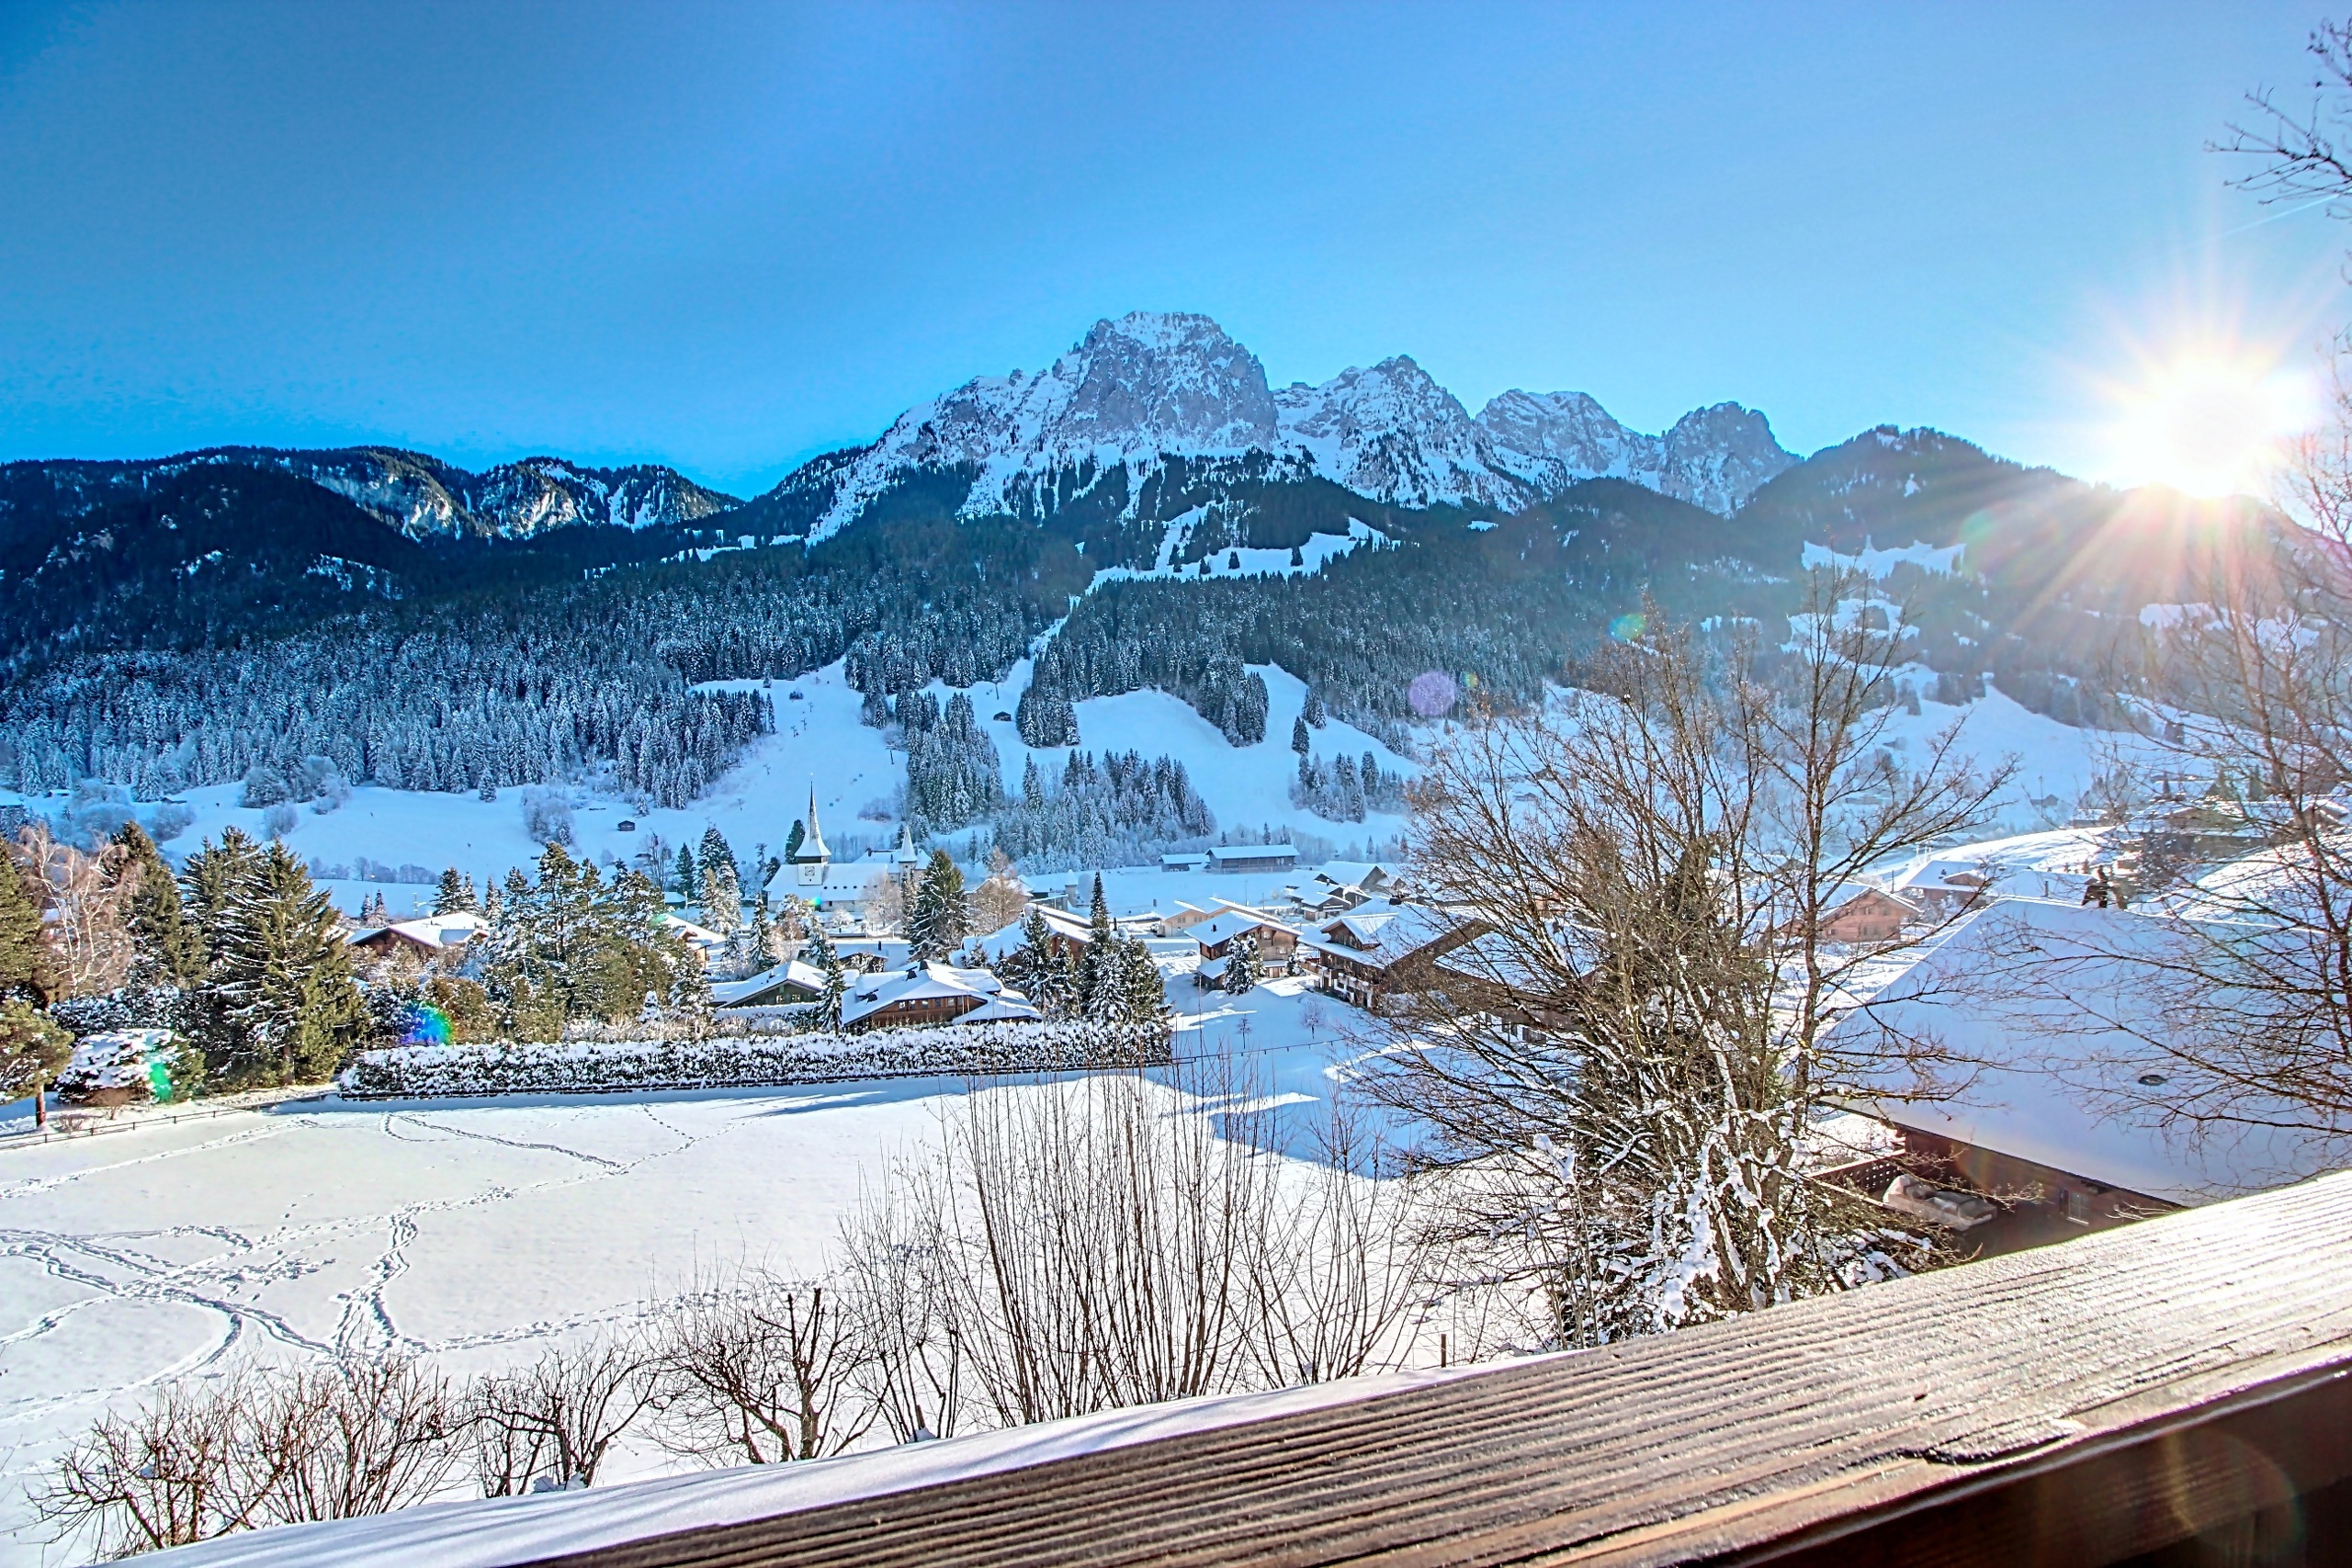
(475, 1231)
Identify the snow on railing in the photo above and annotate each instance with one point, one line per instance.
(734, 1060)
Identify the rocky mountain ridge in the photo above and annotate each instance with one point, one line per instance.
(419, 495)
(1151, 386)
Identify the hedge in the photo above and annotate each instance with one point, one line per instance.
(733, 1061)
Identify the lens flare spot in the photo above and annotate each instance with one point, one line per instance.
(1432, 693)
(1629, 628)
(427, 1025)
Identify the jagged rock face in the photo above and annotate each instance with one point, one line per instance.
(1551, 440)
(1715, 457)
(1151, 386)
(1393, 433)
(1130, 391)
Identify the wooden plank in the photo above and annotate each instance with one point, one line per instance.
(1714, 1443)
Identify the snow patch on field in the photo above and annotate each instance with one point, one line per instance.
(1941, 559)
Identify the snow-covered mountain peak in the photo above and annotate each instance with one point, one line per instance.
(1393, 433)
(1154, 385)
(1149, 383)
(1714, 458)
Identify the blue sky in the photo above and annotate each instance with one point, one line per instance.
(729, 237)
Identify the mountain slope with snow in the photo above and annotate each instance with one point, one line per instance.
(1136, 393)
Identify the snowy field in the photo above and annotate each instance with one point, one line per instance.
(474, 1231)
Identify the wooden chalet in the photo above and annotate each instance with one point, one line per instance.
(1872, 914)
(933, 993)
(1377, 951)
(1277, 944)
(1235, 858)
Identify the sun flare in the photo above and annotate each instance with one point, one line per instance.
(2210, 421)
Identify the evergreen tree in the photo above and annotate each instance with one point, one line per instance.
(1143, 995)
(24, 962)
(820, 956)
(689, 882)
(211, 878)
(1097, 980)
(940, 917)
(716, 851)
(1241, 964)
(762, 930)
(288, 1009)
(1314, 714)
(1300, 741)
(721, 906)
(169, 951)
(455, 896)
(792, 840)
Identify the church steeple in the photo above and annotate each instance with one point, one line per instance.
(812, 847)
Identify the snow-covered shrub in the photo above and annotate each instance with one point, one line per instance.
(323, 785)
(95, 813)
(280, 819)
(264, 785)
(111, 1069)
(547, 816)
(167, 820)
(733, 1061)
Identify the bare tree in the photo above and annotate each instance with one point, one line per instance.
(171, 1472)
(355, 1437)
(2297, 146)
(548, 1426)
(85, 903)
(252, 1448)
(1620, 1055)
(1087, 1246)
(900, 1258)
(1000, 898)
(762, 1369)
(1335, 1278)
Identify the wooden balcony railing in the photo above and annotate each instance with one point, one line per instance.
(2172, 1392)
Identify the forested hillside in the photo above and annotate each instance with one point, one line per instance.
(210, 616)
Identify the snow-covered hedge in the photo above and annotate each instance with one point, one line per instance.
(583, 1067)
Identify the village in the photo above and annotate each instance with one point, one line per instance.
(2033, 1149)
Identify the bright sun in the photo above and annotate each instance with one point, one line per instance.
(2209, 422)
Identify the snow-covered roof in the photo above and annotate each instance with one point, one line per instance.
(1254, 851)
(432, 931)
(1364, 874)
(2027, 865)
(887, 987)
(790, 973)
(1058, 922)
(1380, 933)
(1190, 861)
(1230, 924)
(2047, 1010)
(701, 936)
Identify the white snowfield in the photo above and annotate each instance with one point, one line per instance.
(473, 1231)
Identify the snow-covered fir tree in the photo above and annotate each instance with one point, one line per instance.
(939, 917)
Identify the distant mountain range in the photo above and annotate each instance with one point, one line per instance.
(1142, 512)
(1148, 388)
